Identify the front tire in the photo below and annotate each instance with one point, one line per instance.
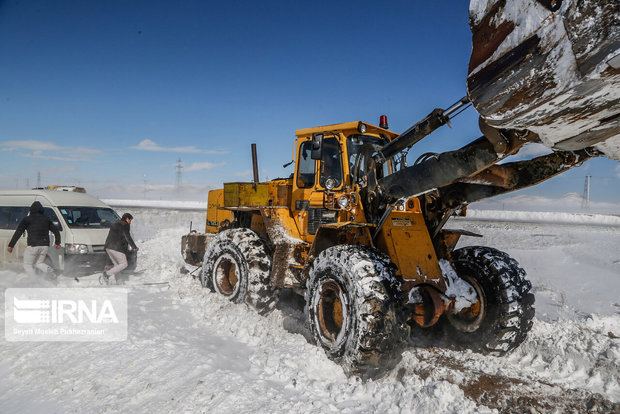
(350, 310)
(504, 318)
(237, 265)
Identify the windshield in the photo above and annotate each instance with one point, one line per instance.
(83, 216)
(356, 142)
(365, 146)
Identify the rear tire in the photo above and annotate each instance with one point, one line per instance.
(506, 311)
(237, 265)
(350, 310)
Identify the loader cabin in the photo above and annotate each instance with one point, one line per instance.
(330, 161)
(329, 165)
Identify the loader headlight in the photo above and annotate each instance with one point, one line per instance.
(330, 183)
(76, 248)
(361, 128)
(343, 201)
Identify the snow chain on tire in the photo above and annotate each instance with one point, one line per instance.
(350, 310)
(509, 302)
(237, 264)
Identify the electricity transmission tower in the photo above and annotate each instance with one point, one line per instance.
(145, 186)
(179, 169)
(585, 202)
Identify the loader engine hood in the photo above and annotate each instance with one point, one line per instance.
(549, 66)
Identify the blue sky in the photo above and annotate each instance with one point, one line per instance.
(110, 94)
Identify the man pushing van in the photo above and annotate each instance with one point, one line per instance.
(116, 245)
(38, 227)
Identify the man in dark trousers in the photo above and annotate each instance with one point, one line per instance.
(116, 245)
(38, 227)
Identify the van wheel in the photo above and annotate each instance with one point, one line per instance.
(237, 265)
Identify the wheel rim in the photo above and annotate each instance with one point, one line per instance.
(226, 275)
(470, 319)
(331, 313)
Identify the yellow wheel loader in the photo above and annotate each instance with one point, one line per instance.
(360, 234)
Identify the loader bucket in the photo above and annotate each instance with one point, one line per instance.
(549, 66)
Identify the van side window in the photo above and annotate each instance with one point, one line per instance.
(17, 214)
(305, 166)
(53, 217)
(4, 218)
(11, 216)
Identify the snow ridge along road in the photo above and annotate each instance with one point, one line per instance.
(192, 351)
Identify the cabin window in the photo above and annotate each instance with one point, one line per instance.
(331, 165)
(306, 166)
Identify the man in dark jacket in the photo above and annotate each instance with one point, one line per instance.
(116, 245)
(38, 227)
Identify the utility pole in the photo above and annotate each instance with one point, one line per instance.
(179, 168)
(39, 179)
(585, 203)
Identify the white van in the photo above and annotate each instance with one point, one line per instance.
(83, 220)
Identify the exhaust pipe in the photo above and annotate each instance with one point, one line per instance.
(255, 165)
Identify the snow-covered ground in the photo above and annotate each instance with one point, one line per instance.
(189, 350)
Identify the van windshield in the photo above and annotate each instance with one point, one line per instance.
(82, 216)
